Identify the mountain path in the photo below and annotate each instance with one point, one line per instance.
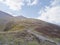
(40, 37)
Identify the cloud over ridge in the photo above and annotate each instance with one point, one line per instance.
(51, 14)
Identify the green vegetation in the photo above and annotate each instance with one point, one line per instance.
(14, 32)
(14, 39)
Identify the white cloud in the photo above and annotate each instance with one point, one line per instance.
(56, 3)
(17, 4)
(13, 4)
(52, 14)
(32, 2)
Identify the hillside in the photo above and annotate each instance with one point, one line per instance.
(4, 19)
(27, 31)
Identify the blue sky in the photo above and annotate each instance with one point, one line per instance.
(26, 10)
(47, 10)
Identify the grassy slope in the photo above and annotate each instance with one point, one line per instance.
(11, 35)
(14, 33)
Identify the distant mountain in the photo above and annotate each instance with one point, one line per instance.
(4, 19)
(20, 17)
(4, 15)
